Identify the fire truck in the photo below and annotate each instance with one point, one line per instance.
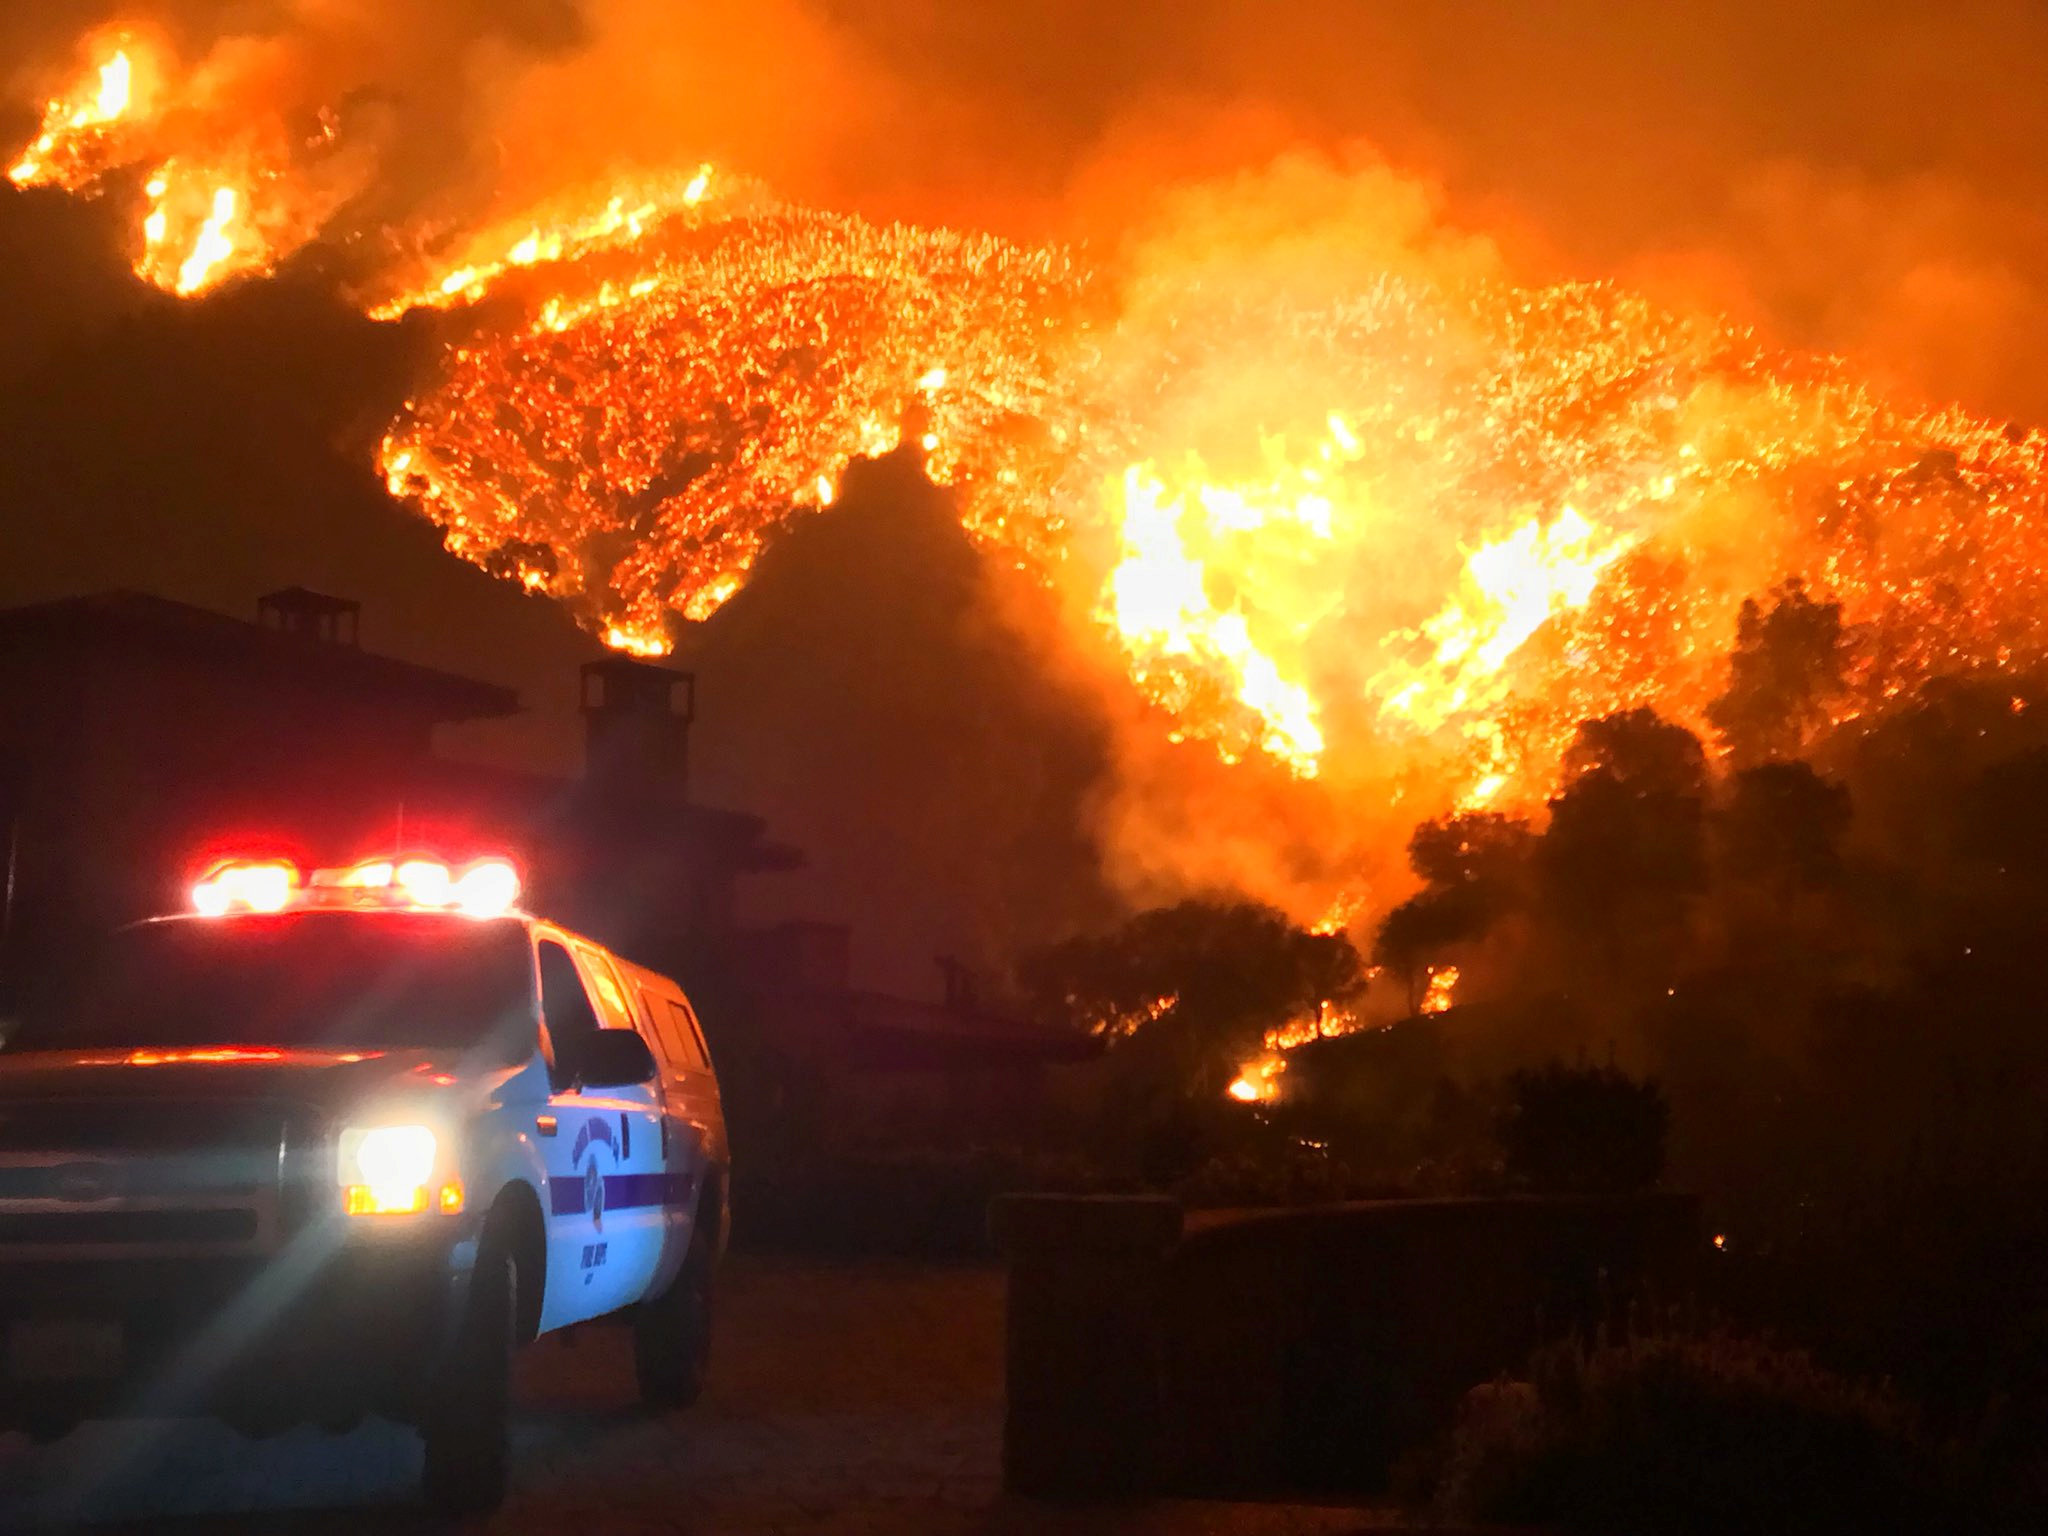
(337, 1143)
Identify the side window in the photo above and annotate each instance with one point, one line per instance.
(613, 1009)
(564, 1004)
(674, 1058)
(684, 1022)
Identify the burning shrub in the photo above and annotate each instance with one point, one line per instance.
(1583, 1129)
(1186, 994)
(1676, 1434)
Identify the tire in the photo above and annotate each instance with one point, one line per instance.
(465, 1426)
(672, 1332)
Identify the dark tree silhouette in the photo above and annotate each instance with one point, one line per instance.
(1480, 849)
(2003, 818)
(1640, 751)
(1475, 869)
(1188, 993)
(1421, 929)
(1626, 844)
(1783, 824)
(1218, 974)
(1787, 667)
(1919, 770)
(1583, 1129)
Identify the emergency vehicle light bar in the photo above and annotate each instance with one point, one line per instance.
(266, 885)
(483, 888)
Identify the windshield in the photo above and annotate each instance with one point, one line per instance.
(326, 980)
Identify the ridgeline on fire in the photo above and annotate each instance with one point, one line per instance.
(1357, 507)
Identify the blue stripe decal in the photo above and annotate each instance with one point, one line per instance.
(623, 1192)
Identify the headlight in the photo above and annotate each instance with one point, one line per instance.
(391, 1170)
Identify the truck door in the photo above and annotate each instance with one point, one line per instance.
(602, 1147)
(692, 1108)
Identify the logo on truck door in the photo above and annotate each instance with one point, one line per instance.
(588, 1188)
(598, 1128)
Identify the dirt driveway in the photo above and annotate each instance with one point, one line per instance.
(857, 1399)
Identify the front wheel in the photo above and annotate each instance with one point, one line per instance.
(672, 1332)
(465, 1426)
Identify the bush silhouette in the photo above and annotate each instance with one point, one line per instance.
(1583, 1130)
(1674, 1434)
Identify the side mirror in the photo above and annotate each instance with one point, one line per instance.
(614, 1058)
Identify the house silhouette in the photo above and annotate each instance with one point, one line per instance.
(142, 739)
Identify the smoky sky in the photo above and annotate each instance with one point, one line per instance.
(1866, 178)
(1856, 175)
(1861, 176)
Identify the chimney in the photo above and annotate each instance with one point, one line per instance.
(301, 611)
(636, 726)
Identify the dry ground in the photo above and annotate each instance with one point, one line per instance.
(856, 1399)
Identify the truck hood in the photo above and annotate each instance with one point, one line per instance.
(333, 1081)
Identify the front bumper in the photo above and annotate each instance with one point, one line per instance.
(323, 1331)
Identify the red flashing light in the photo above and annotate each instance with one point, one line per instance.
(260, 885)
(482, 888)
(374, 875)
(425, 882)
(487, 887)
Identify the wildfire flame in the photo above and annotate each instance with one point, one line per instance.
(1160, 603)
(1379, 525)
(234, 206)
(73, 127)
(1443, 984)
(568, 233)
(772, 348)
(1258, 1082)
(1514, 586)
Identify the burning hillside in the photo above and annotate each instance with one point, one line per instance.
(1346, 504)
(629, 439)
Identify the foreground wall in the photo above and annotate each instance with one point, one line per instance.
(1300, 1350)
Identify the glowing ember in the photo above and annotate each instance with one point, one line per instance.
(1328, 1022)
(1123, 1025)
(634, 642)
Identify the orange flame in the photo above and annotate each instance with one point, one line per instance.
(226, 201)
(75, 127)
(1258, 1082)
(1443, 983)
(565, 233)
